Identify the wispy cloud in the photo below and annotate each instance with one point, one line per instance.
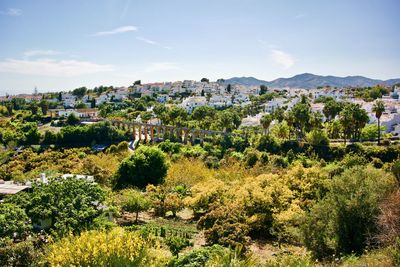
(162, 66)
(151, 42)
(11, 12)
(50, 67)
(146, 40)
(117, 30)
(282, 58)
(35, 53)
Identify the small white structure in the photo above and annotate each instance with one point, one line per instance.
(192, 102)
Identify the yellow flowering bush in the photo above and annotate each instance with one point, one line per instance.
(99, 248)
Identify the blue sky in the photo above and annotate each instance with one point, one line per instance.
(61, 45)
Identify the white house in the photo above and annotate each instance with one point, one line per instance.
(192, 102)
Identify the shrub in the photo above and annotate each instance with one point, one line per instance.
(264, 158)
(146, 166)
(170, 147)
(25, 253)
(225, 225)
(176, 244)
(396, 170)
(123, 146)
(250, 157)
(98, 248)
(317, 138)
(13, 219)
(345, 219)
(279, 161)
(389, 219)
(63, 205)
(267, 143)
(197, 257)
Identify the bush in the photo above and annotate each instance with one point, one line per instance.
(98, 248)
(176, 244)
(63, 205)
(13, 220)
(389, 219)
(196, 258)
(170, 147)
(25, 253)
(345, 220)
(225, 225)
(250, 157)
(317, 138)
(123, 146)
(279, 161)
(146, 166)
(267, 143)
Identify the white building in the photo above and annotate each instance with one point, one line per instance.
(192, 102)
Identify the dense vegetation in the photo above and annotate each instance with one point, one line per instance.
(282, 194)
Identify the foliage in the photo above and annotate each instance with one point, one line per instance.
(176, 244)
(389, 219)
(317, 138)
(25, 253)
(72, 119)
(342, 221)
(13, 220)
(134, 201)
(99, 248)
(146, 166)
(224, 225)
(232, 258)
(196, 258)
(64, 205)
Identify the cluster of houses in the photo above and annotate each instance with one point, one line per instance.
(190, 94)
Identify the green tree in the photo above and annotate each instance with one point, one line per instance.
(33, 107)
(331, 109)
(72, 119)
(229, 88)
(317, 137)
(9, 107)
(161, 112)
(177, 116)
(134, 201)
(80, 105)
(345, 219)
(301, 113)
(79, 92)
(66, 205)
(378, 108)
(44, 105)
(263, 89)
(93, 102)
(353, 118)
(279, 114)
(204, 80)
(266, 122)
(146, 166)
(228, 120)
(13, 219)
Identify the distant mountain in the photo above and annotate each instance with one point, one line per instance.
(245, 81)
(308, 80)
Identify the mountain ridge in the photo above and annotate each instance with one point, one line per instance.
(309, 81)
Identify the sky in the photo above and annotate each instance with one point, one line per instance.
(65, 44)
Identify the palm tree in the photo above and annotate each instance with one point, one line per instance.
(378, 108)
(266, 122)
